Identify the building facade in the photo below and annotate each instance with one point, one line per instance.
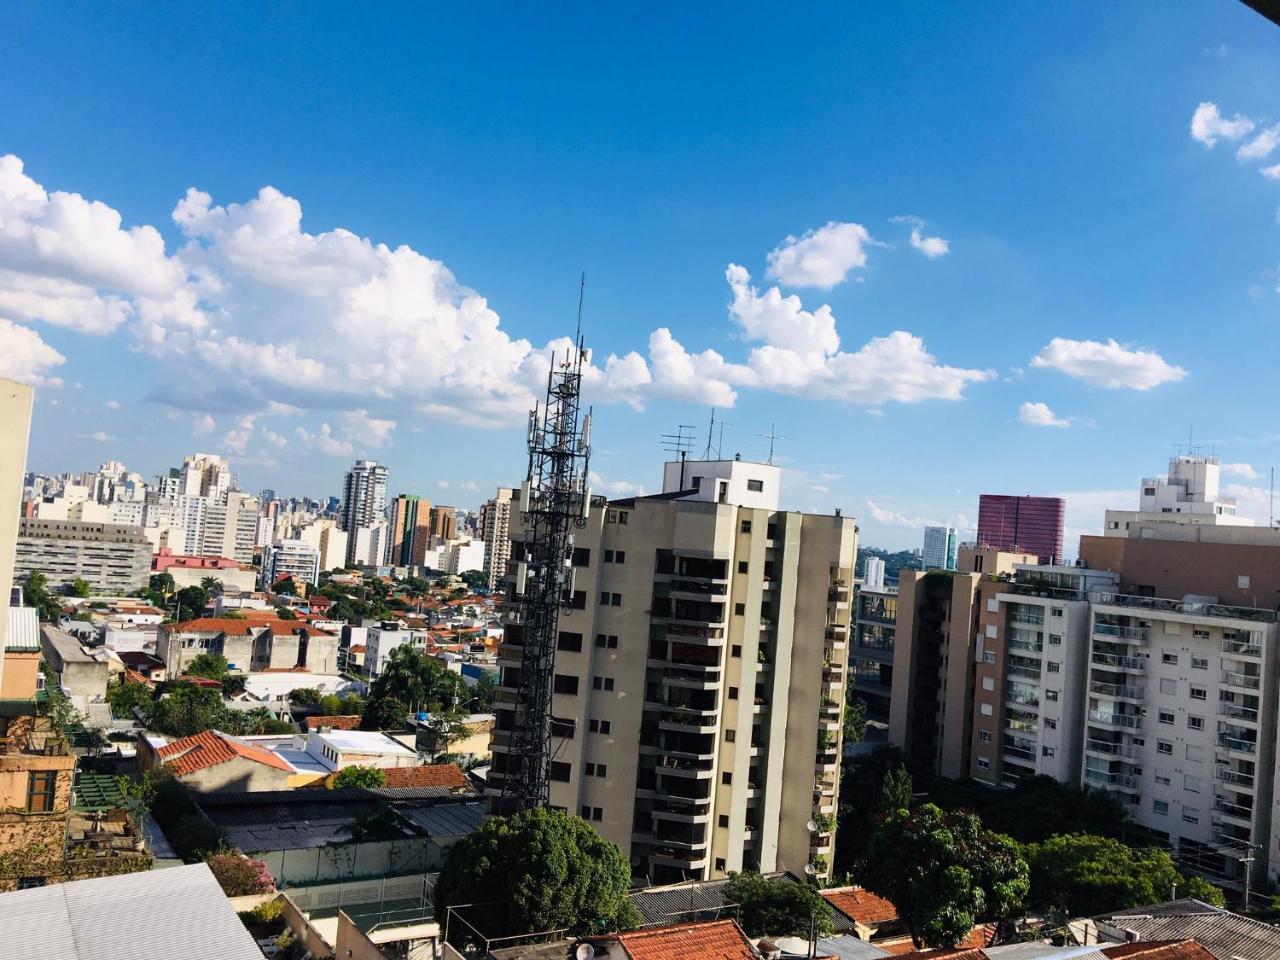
(939, 548)
(295, 559)
(364, 504)
(871, 655)
(699, 677)
(110, 558)
(410, 531)
(1022, 525)
(1188, 496)
(495, 528)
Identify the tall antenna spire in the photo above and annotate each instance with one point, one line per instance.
(706, 454)
(771, 436)
(582, 290)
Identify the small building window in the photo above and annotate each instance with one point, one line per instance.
(755, 486)
(42, 787)
(746, 526)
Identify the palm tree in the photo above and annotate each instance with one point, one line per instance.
(255, 720)
(212, 586)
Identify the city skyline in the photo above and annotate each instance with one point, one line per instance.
(1047, 283)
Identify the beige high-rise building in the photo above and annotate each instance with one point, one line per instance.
(15, 425)
(495, 528)
(444, 525)
(699, 677)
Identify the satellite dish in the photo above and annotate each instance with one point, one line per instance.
(584, 952)
(811, 827)
(810, 869)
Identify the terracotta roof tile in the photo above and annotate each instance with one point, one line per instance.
(716, 940)
(1159, 950)
(334, 722)
(210, 748)
(430, 775)
(861, 905)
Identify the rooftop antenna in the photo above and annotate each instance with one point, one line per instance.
(1271, 500)
(720, 442)
(582, 289)
(706, 454)
(771, 436)
(679, 443)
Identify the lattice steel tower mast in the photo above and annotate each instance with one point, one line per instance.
(554, 500)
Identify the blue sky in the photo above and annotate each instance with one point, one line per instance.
(498, 153)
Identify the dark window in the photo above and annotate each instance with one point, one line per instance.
(602, 683)
(736, 650)
(739, 609)
(755, 486)
(598, 726)
(726, 777)
(560, 771)
(42, 785)
(28, 883)
(720, 864)
(579, 600)
(566, 684)
(615, 599)
(746, 526)
(730, 735)
(565, 728)
(608, 556)
(724, 820)
(733, 693)
(582, 556)
(620, 556)
(771, 531)
(569, 641)
(622, 516)
(742, 566)
(606, 640)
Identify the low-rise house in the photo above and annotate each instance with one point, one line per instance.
(20, 675)
(250, 645)
(82, 674)
(864, 914)
(186, 915)
(148, 666)
(1148, 950)
(188, 571)
(217, 761)
(359, 748)
(1226, 935)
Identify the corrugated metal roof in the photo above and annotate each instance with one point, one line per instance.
(685, 902)
(447, 819)
(1224, 934)
(23, 630)
(849, 947)
(187, 916)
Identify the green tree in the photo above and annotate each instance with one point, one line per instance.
(257, 721)
(35, 590)
(777, 907)
(855, 720)
(285, 613)
(211, 586)
(384, 713)
(190, 603)
(419, 681)
(366, 778)
(80, 587)
(124, 696)
(896, 793)
(238, 875)
(162, 583)
(484, 690)
(475, 579)
(188, 709)
(944, 872)
(547, 869)
(212, 666)
(304, 696)
(1081, 874)
(56, 706)
(285, 587)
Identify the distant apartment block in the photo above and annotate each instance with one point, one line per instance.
(364, 506)
(700, 676)
(871, 655)
(495, 525)
(250, 645)
(1188, 496)
(873, 572)
(939, 548)
(111, 559)
(294, 559)
(1022, 525)
(410, 531)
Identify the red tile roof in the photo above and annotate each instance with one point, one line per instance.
(861, 905)
(243, 626)
(211, 748)
(430, 775)
(334, 722)
(715, 940)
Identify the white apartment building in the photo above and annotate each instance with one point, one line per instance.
(699, 677)
(204, 475)
(330, 542)
(291, 558)
(367, 545)
(383, 637)
(1188, 496)
(113, 560)
(495, 523)
(364, 505)
(230, 527)
(873, 573)
(939, 548)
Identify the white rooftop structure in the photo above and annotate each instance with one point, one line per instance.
(739, 482)
(1189, 496)
(178, 912)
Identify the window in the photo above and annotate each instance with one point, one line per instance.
(746, 526)
(1199, 693)
(612, 516)
(984, 736)
(988, 683)
(563, 728)
(565, 684)
(742, 566)
(730, 735)
(622, 516)
(598, 726)
(726, 777)
(723, 820)
(1052, 666)
(733, 693)
(1163, 778)
(1199, 663)
(1165, 747)
(755, 486)
(610, 599)
(1167, 657)
(1168, 687)
(1191, 814)
(1055, 640)
(1195, 753)
(720, 864)
(1200, 633)
(1055, 611)
(560, 771)
(1160, 807)
(594, 814)
(595, 769)
(602, 683)
(985, 709)
(1194, 722)
(1166, 716)
(42, 786)
(1050, 723)
(1191, 783)
(1048, 751)
(988, 656)
(582, 556)
(983, 763)
(608, 641)
(739, 609)
(572, 642)
(1051, 695)
(736, 650)
(619, 556)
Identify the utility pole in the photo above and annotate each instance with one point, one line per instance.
(1247, 860)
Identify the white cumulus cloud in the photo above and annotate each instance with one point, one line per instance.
(1272, 173)
(1260, 146)
(1244, 470)
(931, 247)
(25, 357)
(1040, 415)
(1208, 125)
(1107, 364)
(820, 258)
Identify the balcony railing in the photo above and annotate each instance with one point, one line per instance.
(1116, 690)
(1193, 608)
(1113, 749)
(1248, 681)
(1027, 619)
(1117, 662)
(1235, 743)
(1017, 670)
(1241, 649)
(1021, 753)
(1247, 714)
(1108, 718)
(1025, 646)
(1237, 810)
(1133, 634)
(1227, 775)
(1126, 781)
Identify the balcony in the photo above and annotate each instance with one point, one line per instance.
(1237, 648)
(1234, 777)
(1247, 714)
(1245, 681)
(1116, 691)
(1027, 619)
(1108, 718)
(1231, 834)
(1111, 631)
(1237, 811)
(1017, 670)
(691, 678)
(1236, 744)
(684, 766)
(1020, 753)
(680, 809)
(1114, 661)
(1123, 781)
(1026, 646)
(1112, 749)
(688, 720)
(1194, 609)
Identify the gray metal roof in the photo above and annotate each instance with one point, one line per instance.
(447, 819)
(684, 902)
(849, 947)
(1225, 934)
(186, 915)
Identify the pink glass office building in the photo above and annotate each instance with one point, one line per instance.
(1022, 524)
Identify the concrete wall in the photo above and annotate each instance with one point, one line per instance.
(15, 424)
(238, 776)
(1173, 568)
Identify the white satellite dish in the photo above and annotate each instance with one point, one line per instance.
(810, 869)
(584, 952)
(811, 827)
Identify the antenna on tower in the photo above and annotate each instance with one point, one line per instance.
(771, 436)
(679, 443)
(582, 290)
(706, 454)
